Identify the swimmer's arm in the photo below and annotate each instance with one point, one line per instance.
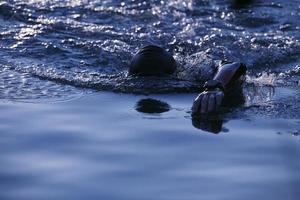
(230, 76)
(229, 79)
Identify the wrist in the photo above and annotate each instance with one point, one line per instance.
(229, 74)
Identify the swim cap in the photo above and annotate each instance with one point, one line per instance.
(152, 60)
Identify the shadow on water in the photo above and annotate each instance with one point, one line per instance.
(152, 106)
(209, 123)
(256, 100)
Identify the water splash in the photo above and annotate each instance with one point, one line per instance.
(89, 44)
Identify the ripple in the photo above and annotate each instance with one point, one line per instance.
(23, 87)
(88, 44)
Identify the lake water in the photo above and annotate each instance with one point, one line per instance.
(99, 147)
(89, 44)
(74, 125)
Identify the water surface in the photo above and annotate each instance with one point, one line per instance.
(89, 44)
(62, 137)
(100, 147)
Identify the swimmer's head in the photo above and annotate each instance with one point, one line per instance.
(152, 61)
(238, 4)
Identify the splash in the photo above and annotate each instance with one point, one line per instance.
(89, 44)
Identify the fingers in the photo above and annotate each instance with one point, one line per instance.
(219, 98)
(211, 107)
(204, 103)
(196, 104)
(207, 102)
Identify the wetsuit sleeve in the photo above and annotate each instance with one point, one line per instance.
(232, 75)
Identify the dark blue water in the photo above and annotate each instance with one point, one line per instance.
(89, 44)
(62, 137)
(100, 147)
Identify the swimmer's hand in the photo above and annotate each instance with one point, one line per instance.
(208, 102)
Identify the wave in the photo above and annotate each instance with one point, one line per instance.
(89, 44)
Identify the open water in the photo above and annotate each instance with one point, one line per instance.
(89, 44)
(63, 137)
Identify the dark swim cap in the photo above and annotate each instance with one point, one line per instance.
(152, 60)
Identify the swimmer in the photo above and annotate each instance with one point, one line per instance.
(224, 89)
(152, 60)
(226, 85)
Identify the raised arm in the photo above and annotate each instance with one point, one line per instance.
(226, 82)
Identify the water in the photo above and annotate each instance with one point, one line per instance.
(89, 44)
(63, 137)
(72, 150)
